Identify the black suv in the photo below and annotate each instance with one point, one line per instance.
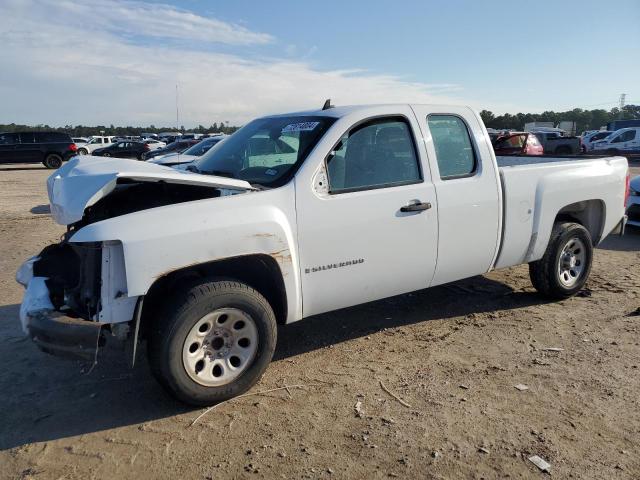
(48, 148)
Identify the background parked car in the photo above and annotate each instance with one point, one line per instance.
(153, 143)
(78, 140)
(190, 154)
(178, 146)
(518, 143)
(554, 143)
(125, 149)
(633, 203)
(588, 140)
(94, 143)
(48, 148)
(625, 141)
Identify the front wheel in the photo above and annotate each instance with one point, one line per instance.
(82, 151)
(566, 264)
(214, 341)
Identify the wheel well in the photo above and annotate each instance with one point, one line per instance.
(588, 213)
(261, 272)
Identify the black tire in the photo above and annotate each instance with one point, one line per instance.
(106, 154)
(52, 161)
(545, 274)
(181, 312)
(82, 151)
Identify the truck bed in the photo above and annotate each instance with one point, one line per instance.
(536, 188)
(517, 160)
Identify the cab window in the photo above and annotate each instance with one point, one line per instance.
(376, 154)
(454, 151)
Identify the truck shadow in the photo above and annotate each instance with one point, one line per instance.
(629, 242)
(44, 398)
(480, 295)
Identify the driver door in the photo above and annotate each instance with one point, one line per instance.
(374, 232)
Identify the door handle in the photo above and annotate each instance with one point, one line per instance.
(416, 207)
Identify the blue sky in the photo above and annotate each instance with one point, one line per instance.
(119, 60)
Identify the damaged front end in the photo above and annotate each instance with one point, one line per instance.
(76, 291)
(75, 295)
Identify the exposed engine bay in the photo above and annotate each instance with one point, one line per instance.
(131, 196)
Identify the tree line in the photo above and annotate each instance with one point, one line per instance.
(87, 131)
(585, 119)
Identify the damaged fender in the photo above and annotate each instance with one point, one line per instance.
(161, 240)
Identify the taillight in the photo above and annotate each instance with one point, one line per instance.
(627, 189)
(73, 147)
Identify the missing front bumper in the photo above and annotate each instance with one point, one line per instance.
(67, 337)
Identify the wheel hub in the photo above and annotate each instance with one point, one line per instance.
(220, 347)
(218, 343)
(572, 262)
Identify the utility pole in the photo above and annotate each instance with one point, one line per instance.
(177, 116)
(623, 97)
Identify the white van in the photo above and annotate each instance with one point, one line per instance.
(625, 141)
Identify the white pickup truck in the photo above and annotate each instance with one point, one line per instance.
(94, 143)
(295, 215)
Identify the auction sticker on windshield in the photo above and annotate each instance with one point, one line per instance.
(300, 127)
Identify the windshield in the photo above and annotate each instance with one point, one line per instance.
(266, 151)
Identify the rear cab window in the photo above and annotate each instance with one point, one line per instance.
(455, 154)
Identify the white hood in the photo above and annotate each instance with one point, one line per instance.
(84, 180)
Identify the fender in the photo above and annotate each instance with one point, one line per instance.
(568, 186)
(161, 240)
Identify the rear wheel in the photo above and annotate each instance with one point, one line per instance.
(106, 154)
(52, 161)
(566, 264)
(214, 342)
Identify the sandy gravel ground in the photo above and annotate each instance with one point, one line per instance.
(452, 354)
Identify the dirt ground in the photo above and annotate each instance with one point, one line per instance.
(452, 354)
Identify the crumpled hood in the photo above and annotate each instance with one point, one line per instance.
(84, 180)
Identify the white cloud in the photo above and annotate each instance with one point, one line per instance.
(62, 66)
